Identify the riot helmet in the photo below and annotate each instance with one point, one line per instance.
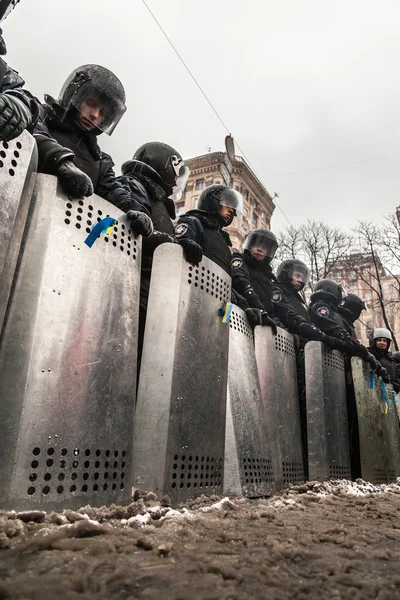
(396, 357)
(6, 7)
(354, 304)
(381, 333)
(213, 197)
(261, 244)
(161, 163)
(293, 269)
(329, 288)
(98, 96)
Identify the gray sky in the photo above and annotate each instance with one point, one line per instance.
(309, 88)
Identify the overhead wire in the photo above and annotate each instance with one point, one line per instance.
(206, 97)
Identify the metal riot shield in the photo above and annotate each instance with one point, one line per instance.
(394, 430)
(327, 423)
(276, 363)
(180, 413)
(376, 454)
(18, 163)
(248, 463)
(68, 358)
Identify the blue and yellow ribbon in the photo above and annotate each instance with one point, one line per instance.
(225, 312)
(104, 226)
(371, 380)
(385, 403)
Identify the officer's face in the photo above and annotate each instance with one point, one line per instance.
(91, 113)
(381, 343)
(226, 212)
(297, 279)
(258, 252)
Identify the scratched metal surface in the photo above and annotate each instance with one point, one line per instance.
(68, 358)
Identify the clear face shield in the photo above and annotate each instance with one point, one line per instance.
(260, 245)
(96, 108)
(6, 6)
(182, 173)
(299, 276)
(344, 294)
(234, 200)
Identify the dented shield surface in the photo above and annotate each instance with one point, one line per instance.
(179, 434)
(276, 363)
(248, 460)
(376, 444)
(327, 422)
(18, 163)
(68, 358)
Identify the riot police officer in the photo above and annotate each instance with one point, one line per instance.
(290, 308)
(155, 178)
(18, 109)
(217, 206)
(91, 102)
(252, 276)
(379, 346)
(350, 310)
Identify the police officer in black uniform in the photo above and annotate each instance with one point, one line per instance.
(217, 206)
(91, 101)
(350, 310)
(155, 178)
(290, 308)
(252, 276)
(18, 109)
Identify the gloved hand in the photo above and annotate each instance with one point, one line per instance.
(267, 321)
(253, 316)
(373, 362)
(333, 343)
(140, 223)
(74, 181)
(192, 251)
(15, 116)
(381, 372)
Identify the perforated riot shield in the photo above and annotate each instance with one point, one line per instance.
(276, 363)
(248, 462)
(393, 427)
(180, 414)
(327, 423)
(68, 358)
(376, 444)
(18, 162)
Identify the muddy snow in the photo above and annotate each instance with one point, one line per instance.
(317, 540)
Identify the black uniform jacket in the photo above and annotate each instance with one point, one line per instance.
(348, 321)
(291, 310)
(60, 139)
(11, 83)
(253, 279)
(206, 232)
(324, 314)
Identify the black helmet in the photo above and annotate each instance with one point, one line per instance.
(396, 357)
(265, 241)
(161, 163)
(90, 82)
(329, 288)
(287, 268)
(6, 7)
(214, 196)
(354, 304)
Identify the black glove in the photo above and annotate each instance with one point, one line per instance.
(253, 316)
(74, 181)
(373, 362)
(140, 223)
(333, 343)
(192, 251)
(381, 372)
(266, 320)
(15, 116)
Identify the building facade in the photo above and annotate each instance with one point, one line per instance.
(214, 168)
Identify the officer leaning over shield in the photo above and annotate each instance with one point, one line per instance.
(155, 178)
(380, 347)
(18, 109)
(252, 276)
(290, 307)
(91, 102)
(350, 310)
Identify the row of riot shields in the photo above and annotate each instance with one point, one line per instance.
(218, 409)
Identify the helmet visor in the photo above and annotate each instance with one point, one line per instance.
(182, 173)
(97, 109)
(262, 241)
(6, 7)
(233, 199)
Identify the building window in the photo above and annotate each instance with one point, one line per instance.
(199, 184)
(196, 201)
(255, 220)
(180, 209)
(246, 194)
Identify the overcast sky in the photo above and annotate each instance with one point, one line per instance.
(310, 89)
